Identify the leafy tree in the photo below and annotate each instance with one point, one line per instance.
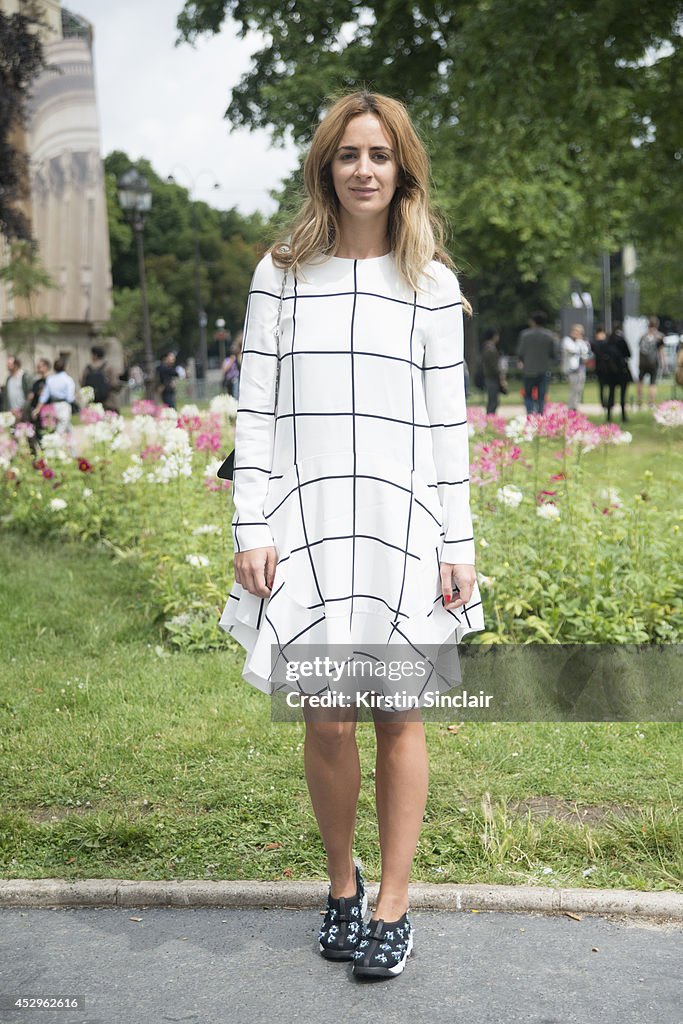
(126, 319)
(27, 278)
(551, 123)
(21, 60)
(229, 244)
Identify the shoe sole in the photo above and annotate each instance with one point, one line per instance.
(344, 954)
(385, 972)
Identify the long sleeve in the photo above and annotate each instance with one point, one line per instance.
(255, 421)
(444, 384)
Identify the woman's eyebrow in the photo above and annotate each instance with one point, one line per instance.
(387, 148)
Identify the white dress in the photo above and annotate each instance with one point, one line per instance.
(361, 482)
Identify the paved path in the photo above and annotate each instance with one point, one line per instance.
(213, 965)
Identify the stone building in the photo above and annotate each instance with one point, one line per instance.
(67, 205)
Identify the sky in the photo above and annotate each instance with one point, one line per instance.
(166, 103)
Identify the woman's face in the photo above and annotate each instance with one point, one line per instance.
(364, 168)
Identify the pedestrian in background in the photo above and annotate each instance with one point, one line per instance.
(651, 360)
(60, 391)
(575, 354)
(617, 370)
(17, 387)
(494, 383)
(536, 354)
(101, 376)
(167, 374)
(599, 345)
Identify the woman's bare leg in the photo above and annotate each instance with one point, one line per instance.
(332, 768)
(401, 783)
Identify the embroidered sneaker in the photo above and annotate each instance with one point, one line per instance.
(384, 947)
(341, 929)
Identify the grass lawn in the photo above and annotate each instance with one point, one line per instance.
(122, 759)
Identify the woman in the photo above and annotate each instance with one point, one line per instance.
(231, 371)
(575, 354)
(352, 523)
(616, 355)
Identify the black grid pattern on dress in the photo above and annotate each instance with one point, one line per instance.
(305, 424)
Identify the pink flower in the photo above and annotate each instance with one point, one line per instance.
(48, 473)
(152, 452)
(144, 407)
(217, 484)
(208, 442)
(91, 415)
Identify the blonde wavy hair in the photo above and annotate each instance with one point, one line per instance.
(416, 230)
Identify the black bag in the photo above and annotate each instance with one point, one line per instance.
(97, 380)
(227, 468)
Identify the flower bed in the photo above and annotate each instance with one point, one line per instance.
(558, 558)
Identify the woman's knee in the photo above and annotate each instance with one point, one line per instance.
(330, 734)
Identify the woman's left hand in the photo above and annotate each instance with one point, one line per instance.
(463, 576)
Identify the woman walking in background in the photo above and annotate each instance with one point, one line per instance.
(575, 354)
(616, 355)
(352, 521)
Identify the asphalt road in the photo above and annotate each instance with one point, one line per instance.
(213, 965)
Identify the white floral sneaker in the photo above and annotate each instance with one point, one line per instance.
(341, 929)
(384, 947)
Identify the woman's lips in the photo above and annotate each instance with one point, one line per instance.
(364, 191)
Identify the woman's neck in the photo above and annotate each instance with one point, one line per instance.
(363, 242)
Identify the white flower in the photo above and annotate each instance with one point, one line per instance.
(189, 410)
(200, 561)
(623, 437)
(548, 511)
(104, 431)
(521, 428)
(55, 447)
(86, 492)
(611, 495)
(7, 420)
(212, 467)
(225, 405)
(485, 581)
(206, 528)
(167, 413)
(184, 619)
(484, 543)
(509, 495)
(121, 441)
(143, 429)
(669, 414)
(57, 504)
(87, 395)
(132, 474)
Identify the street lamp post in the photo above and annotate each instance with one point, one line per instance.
(135, 199)
(202, 319)
(221, 336)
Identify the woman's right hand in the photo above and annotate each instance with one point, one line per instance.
(255, 570)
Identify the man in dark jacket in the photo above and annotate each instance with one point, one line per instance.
(536, 354)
